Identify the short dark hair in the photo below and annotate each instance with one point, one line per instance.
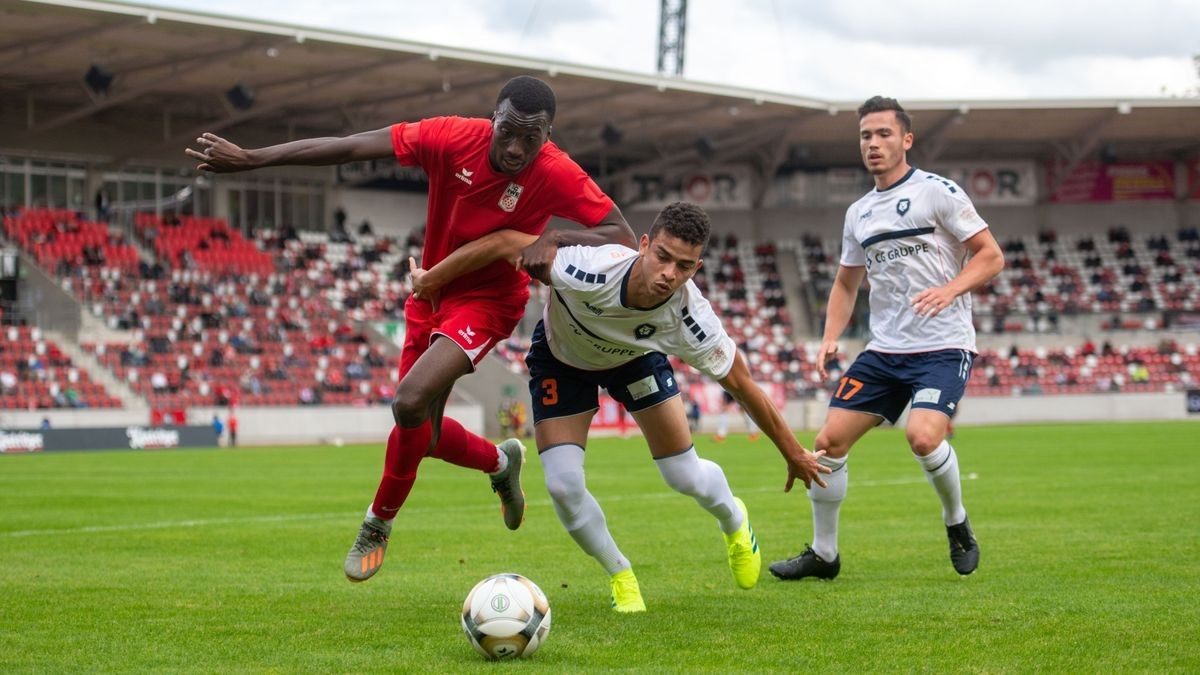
(883, 104)
(684, 221)
(528, 95)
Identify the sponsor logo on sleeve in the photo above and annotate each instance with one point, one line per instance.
(715, 360)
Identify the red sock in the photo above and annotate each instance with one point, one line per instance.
(459, 446)
(405, 450)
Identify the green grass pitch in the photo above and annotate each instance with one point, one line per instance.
(224, 561)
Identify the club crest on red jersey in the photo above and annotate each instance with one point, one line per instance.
(512, 193)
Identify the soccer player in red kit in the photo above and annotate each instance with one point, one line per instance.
(484, 175)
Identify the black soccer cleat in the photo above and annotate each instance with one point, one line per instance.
(807, 564)
(964, 550)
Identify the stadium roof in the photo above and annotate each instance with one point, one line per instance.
(171, 71)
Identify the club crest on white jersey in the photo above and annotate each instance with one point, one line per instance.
(910, 238)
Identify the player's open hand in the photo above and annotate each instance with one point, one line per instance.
(932, 300)
(829, 349)
(219, 155)
(805, 466)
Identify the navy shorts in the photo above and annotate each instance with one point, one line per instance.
(884, 384)
(560, 390)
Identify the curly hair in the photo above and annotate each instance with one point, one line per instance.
(684, 221)
(883, 104)
(528, 95)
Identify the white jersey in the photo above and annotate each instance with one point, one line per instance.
(590, 326)
(910, 237)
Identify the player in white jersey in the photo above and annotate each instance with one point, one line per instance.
(918, 240)
(613, 314)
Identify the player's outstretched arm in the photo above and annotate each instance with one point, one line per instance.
(842, 297)
(498, 245)
(219, 155)
(539, 256)
(801, 463)
(986, 262)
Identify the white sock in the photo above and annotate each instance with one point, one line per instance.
(723, 424)
(577, 509)
(941, 467)
(705, 482)
(826, 503)
(501, 462)
(377, 521)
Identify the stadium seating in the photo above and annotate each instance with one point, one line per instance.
(1085, 369)
(204, 338)
(1134, 279)
(363, 278)
(216, 318)
(208, 244)
(213, 320)
(1046, 279)
(60, 240)
(35, 374)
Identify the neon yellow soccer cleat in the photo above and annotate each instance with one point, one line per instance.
(745, 560)
(626, 595)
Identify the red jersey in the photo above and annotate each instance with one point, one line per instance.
(468, 198)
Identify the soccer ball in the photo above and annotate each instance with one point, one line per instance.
(506, 616)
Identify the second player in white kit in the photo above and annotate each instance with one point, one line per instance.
(918, 240)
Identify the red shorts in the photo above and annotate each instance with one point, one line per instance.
(474, 324)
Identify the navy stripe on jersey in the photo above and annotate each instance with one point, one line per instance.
(567, 309)
(899, 234)
(693, 326)
(586, 277)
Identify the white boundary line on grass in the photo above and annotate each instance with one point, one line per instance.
(300, 517)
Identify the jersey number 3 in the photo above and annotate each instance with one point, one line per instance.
(550, 386)
(843, 393)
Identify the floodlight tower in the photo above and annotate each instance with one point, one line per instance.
(672, 26)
